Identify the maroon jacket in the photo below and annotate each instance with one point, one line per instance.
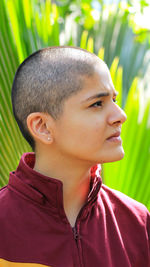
(111, 230)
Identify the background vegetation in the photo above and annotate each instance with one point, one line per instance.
(110, 31)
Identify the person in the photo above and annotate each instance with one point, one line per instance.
(55, 210)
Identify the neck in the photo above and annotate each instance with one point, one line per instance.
(75, 177)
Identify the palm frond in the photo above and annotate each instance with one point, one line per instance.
(28, 25)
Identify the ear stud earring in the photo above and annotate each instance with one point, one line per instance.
(48, 139)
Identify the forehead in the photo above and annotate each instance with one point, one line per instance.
(98, 83)
(102, 76)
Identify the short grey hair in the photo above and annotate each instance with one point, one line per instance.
(46, 79)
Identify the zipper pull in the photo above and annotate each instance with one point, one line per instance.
(75, 233)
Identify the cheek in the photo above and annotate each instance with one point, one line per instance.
(86, 128)
(84, 132)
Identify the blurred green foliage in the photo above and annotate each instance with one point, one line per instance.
(111, 33)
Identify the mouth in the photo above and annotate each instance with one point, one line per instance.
(115, 137)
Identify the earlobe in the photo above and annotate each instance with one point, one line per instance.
(37, 125)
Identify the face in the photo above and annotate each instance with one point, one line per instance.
(89, 119)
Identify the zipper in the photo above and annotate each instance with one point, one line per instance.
(75, 234)
(75, 229)
(77, 238)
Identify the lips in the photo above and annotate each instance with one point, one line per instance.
(116, 134)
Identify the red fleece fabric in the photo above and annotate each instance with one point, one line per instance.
(111, 230)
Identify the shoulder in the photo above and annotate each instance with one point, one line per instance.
(6, 210)
(124, 205)
(5, 201)
(3, 195)
(117, 197)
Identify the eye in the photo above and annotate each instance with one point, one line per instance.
(97, 104)
(114, 100)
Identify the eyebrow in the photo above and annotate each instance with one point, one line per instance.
(100, 95)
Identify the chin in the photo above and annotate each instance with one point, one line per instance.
(117, 157)
(113, 157)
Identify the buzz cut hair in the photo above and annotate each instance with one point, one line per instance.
(46, 79)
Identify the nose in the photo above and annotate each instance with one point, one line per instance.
(117, 115)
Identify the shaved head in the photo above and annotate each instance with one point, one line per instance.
(46, 79)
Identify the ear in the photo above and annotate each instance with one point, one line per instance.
(39, 126)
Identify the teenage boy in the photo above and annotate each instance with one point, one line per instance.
(55, 211)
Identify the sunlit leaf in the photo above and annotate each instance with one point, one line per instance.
(28, 25)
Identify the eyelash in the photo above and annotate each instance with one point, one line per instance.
(101, 102)
(95, 104)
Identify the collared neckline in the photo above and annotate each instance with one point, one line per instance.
(45, 190)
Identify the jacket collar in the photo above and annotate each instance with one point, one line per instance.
(45, 190)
